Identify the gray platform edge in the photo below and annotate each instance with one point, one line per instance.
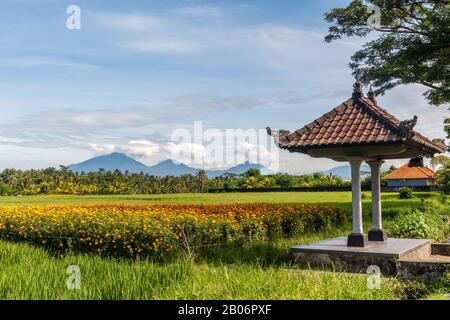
(305, 249)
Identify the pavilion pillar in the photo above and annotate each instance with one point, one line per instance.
(357, 238)
(376, 233)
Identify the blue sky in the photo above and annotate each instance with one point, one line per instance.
(138, 70)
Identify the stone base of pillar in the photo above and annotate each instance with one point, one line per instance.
(378, 235)
(357, 240)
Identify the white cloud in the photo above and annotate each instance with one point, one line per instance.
(281, 37)
(36, 157)
(270, 45)
(102, 148)
(406, 101)
(218, 156)
(101, 118)
(260, 154)
(162, 46)
(35, 62)
(128, 22)
(134, 148)
(140, 148)
(8, 140)
(292, 49)
(201, 11)
(187, 153)
(154, 117)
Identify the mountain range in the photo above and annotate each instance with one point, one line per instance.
(122, 162)
(345, 172)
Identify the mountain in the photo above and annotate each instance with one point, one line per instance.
(241, 168)
(122, 162)
(345, 172)
(244, 167)
(170, 168)
(111, 162)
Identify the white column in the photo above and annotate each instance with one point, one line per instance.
(356, 197)
(376, 194)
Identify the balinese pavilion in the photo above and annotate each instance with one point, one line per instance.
(360, 130)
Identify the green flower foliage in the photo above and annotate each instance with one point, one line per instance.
(420, 225)
(160, 231)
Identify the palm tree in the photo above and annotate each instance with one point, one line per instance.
(202, 178)
(443, 161)
(251, 183)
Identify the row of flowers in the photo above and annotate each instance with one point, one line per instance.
(158, 231)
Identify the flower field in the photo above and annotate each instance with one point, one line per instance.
(158, 231)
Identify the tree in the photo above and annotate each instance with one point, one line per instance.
(203, 179)
(447, 128)
(253, 172)
(251, 183)
(412, 44)
(440, 161)
(267, 182)
(443, 179)
(284, 180)
(443, 174)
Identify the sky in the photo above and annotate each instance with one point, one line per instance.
(140, 77)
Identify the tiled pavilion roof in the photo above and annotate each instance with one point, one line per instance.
(357, 121)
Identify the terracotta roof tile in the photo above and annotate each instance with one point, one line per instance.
(410, 172)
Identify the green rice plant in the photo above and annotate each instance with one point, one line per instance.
(31, 273)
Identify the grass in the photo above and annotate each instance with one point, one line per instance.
(208, 198)
(255, 271)
(219, 198)
(258, 270)
(438, 296)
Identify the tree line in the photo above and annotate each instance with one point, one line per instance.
(65, 181)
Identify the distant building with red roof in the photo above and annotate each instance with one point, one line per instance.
(412, 174)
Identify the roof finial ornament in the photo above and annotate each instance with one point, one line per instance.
(371, 95)
(441, 143)
(407, 126)
(416, 162)
(357, 90)
(277, 134)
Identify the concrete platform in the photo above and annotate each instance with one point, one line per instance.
(335, 255)
(424, 269)
(430, 268)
